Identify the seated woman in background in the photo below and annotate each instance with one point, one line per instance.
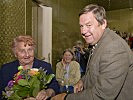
(67, 71)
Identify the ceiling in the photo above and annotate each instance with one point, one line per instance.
(107, 4)
(114, 4)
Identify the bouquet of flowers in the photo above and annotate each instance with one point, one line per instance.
(27, 83)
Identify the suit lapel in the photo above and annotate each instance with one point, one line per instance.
(97, 50)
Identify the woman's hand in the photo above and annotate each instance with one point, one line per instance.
(30, 98)
(42, 95)
(78, 87)
(63, 62)
(45, 94)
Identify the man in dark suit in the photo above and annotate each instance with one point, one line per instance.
(23, 48)
(109, 72)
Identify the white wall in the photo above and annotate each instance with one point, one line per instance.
(42, 31)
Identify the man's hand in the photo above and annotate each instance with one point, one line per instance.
(78, 87)
(45, 94)
(59, 96)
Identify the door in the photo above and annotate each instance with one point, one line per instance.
(42, 31)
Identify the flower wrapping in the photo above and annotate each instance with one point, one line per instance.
(27, 83)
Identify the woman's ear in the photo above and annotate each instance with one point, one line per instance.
(14, 52)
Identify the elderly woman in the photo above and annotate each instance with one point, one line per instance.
(67, 70)
(23, 48)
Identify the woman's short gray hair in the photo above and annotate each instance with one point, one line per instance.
(28, 40)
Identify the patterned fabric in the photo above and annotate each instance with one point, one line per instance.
(12, 24)
(74, 73)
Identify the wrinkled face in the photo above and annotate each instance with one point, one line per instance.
(91, 30)
(25, 54)
(67, 57)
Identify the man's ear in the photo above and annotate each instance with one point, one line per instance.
(104, 25)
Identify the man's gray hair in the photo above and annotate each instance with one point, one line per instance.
(98, 11)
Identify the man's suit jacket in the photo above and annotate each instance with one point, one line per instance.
(8, 70)
(109, 73)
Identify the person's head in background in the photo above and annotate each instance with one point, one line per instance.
(92, 20)
(78, 47)
(68, 56)
(79, 44)
(23, 48)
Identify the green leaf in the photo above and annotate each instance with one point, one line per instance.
(15, 96)
(34, 86)
(23, 92)
(36, 90)
(23, 82)
(33, 80)
(16, 87)
(20, 67)
(49, 78)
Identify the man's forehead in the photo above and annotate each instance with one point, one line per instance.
(86, 19)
